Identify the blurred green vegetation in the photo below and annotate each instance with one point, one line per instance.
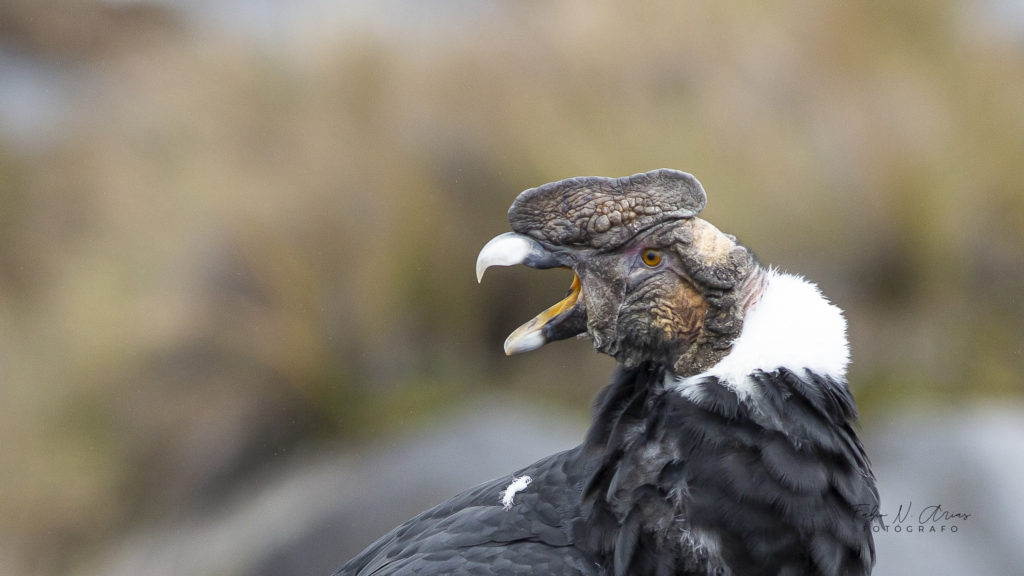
(226, 250)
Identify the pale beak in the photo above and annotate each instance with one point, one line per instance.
(530, 336)
(510, 249)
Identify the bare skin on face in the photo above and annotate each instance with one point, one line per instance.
(682, 306)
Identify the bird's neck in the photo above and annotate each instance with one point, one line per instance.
(630, 507)
(787, 324)
(723, 323)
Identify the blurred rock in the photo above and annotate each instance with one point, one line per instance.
(318, 511)
(969, 462)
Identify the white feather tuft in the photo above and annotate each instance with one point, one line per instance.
(518, 485)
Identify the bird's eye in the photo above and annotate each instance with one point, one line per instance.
(651, 257)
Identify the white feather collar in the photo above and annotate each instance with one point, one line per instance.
(792, 326)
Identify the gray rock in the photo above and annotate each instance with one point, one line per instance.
(317, 512)
(324, 508)
(966, 462)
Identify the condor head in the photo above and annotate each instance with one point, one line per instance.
(653, 283)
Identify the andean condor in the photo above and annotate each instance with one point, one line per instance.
(725, 443)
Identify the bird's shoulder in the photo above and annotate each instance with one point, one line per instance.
(508, 525)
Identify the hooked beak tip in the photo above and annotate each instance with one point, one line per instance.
(509, 249)
(506, 249)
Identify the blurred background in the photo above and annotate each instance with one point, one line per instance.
(240, 331)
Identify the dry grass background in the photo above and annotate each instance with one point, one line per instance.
(229, 248)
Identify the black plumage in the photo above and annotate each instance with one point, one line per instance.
(685, 469)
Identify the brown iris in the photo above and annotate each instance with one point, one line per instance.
(651, 257)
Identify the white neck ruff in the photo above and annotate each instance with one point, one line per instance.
(792, 326)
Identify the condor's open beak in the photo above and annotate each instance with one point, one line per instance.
(563, 320)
